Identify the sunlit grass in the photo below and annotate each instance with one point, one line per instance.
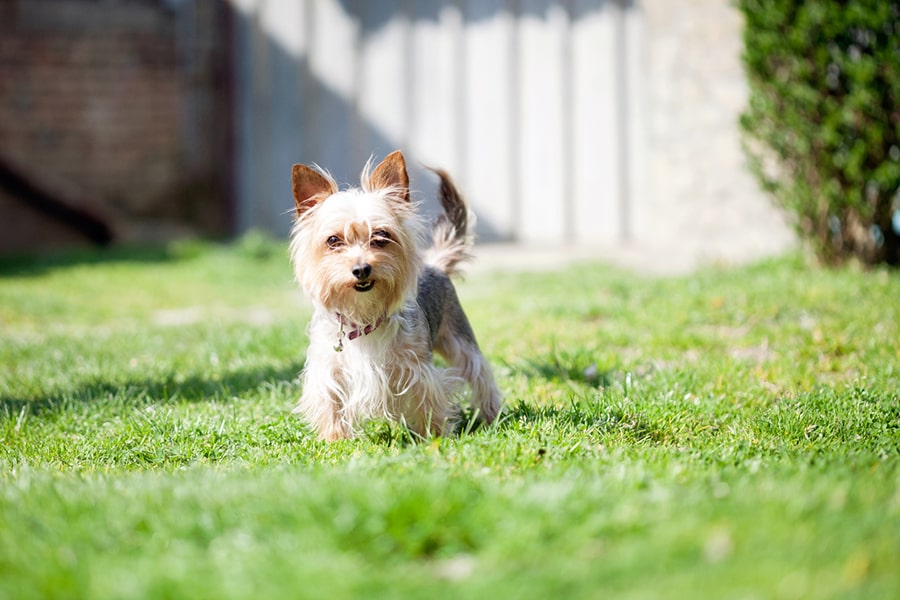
(733, 433)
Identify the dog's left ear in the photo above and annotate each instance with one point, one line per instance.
(391, 172)
(310, 187)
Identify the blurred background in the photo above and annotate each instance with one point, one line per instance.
(588, 123)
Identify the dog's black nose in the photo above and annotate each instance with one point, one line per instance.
(362, 271)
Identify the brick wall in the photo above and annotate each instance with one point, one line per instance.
(119, 108)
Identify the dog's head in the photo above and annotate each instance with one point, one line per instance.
(355, 251)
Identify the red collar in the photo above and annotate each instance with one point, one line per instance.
(356, 330)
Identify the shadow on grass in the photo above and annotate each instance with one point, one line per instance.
(253, 244)
(580, 366)
(196, 388)
(556, 371)
(585, 416)
(32, 265)
(392, 433)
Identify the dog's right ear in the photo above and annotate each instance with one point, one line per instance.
(310, 187)
(391, 173)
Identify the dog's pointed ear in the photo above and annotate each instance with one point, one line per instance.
(391, 173)
(310, 187)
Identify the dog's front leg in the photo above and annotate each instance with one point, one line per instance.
(322, 405)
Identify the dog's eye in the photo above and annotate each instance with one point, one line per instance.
(380, 239)
(334, 242)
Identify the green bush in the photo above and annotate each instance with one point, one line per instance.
(822, 127)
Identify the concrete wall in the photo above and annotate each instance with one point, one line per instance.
(519, 100)
(699, 201)
(589, 122)
(566, 122)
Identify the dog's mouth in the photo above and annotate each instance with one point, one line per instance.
(364, 286)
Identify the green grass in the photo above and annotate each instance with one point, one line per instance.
(729, 434)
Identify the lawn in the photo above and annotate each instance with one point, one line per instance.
(730, 434)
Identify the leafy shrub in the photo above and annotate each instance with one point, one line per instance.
(822, 127)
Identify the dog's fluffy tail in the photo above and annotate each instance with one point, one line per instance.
(451, 238)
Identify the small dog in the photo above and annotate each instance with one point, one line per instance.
(382, 307)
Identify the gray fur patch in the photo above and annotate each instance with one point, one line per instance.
(438, 300)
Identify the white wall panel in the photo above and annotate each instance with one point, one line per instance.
(544, 186)
(489, 158)
(384, 94)
(515, 98)
(595, 158)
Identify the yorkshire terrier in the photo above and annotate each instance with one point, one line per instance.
(383, 306)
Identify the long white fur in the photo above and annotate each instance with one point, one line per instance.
(389, 372)
(374, 377)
